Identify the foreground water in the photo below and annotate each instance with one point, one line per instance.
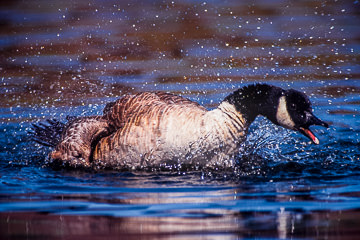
(60, 59)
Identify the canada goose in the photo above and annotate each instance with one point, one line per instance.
(155, 128)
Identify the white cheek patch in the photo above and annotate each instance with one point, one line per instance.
(283, 116)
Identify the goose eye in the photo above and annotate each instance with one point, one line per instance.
(303, 116)
(293, 106)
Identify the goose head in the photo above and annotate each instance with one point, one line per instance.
(288, 108)
(294, 112)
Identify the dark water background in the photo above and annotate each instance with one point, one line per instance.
(60, 58)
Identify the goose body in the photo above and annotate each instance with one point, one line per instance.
(160, 132)
(154, 129)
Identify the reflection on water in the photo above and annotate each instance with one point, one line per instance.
(57, 204)
(282, 225)
(60, 58)
(215, 210)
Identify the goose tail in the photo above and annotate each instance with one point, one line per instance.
(47, 134)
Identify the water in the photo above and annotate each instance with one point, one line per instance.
(71, 58)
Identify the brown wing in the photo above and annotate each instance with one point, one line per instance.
(128, 106)
(80, 136)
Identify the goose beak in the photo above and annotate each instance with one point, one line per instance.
(312, 120)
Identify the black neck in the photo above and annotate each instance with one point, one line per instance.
(254, 100)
